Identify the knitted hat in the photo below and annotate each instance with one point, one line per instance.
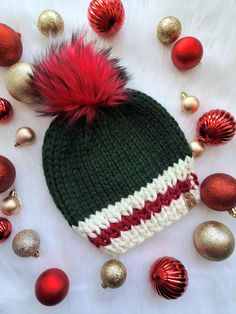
(116, 163)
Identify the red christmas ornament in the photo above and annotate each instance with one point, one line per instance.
(6, 110)
(51, 286)
(106, 16)
(216, 127)
(5, 229)
(187, 53)
(10, 46)
(169, 277)
(218, 191)
(7, 174)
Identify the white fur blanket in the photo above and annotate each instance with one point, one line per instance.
(211, 285)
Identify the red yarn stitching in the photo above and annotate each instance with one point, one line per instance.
(139, 215)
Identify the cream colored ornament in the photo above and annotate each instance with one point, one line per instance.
(50, 23)
(168, 30)
(189, 104)
(17, 81)
(214, 241)
(113, 274)
(11, 204)
(24, 136)
(197, 148)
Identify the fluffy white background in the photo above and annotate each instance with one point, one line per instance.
(211, 285)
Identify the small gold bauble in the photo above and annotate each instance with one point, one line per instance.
(214, 241)
(197, 148)
(189, 104)
(11, 204)
(113, 274)
(17, 81)
(24, 136)
(26, 243)
(50, 23)
(168, 30)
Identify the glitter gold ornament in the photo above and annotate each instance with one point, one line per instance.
(168, 30)
(5, 229)
(26, 243)
(197, 148)
(113, 274)
(189, 104)
(50, 23)
(11, 204)
(17, 81)
(7, 174)
(24, 136)
(168, 277)
(214, 241)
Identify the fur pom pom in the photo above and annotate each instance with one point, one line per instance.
(75, 80)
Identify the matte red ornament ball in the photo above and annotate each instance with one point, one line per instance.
(7, 174)
(106, 17)
(6, 110)
(216, 127)
(5, 229)
(218, 191)
(187, 53)
(10, 46)
(51, 286)
(169, 278)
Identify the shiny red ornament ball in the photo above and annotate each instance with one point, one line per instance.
(5, 229)
(216, 127)
(10, 46)
(106, 17)
(187, 53)
(7, 174)
(6, 110)
(52, 286)
(169, 278)
(218, 191)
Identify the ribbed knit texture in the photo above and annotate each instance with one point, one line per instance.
(88, 167)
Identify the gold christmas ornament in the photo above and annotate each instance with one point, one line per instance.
(26, 243)
(17, 81)
(214, 241)
(168, 30)
(197, 148)
(24, 136)
(113, 274)
(189, 104)
(11, 204)
(50, 23)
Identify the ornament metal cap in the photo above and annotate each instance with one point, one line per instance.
(232, 212)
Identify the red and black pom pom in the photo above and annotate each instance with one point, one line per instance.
(75, 79)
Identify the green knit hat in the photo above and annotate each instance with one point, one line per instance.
(120, 175)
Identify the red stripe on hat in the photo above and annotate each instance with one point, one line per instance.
(139, 215)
